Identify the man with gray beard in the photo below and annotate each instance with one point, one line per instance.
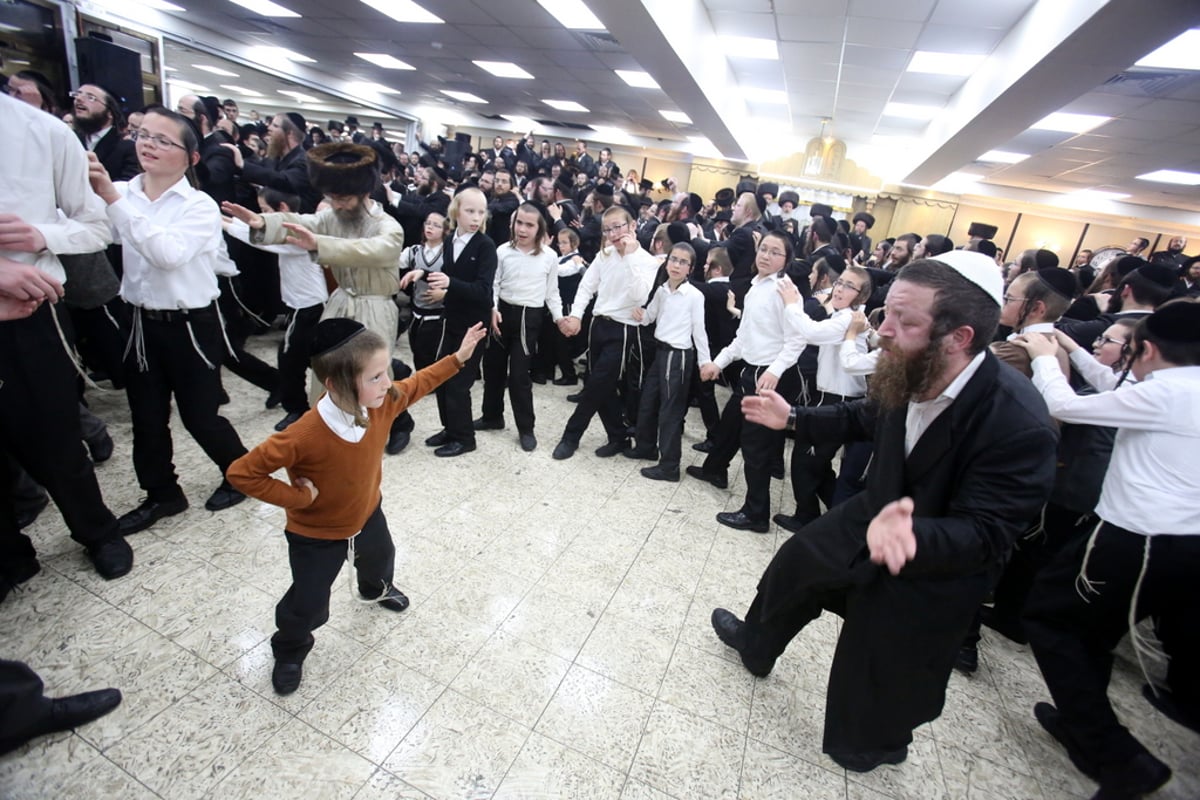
(352, 237)
(964, 458)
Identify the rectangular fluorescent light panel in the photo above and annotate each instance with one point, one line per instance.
(1182, 52)
(216, 70)
(565, 105)
(910, 111)
(266, 8)
(1172, 176)
(676, 116)
(403, 11)
(276, 55)
(370, 87)
(503, 69)
(775, 96)
(465, 97)
(242, 90)
(1069, 123)
(572, 14)
(299, 96)
(932, 63)
(636, 79)
(750, 47)
(1002, 157)
(384, 60)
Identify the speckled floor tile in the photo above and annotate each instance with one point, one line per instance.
(333, 654)
(708, 686)
(688, 756)
(627, 653)
(597, 716)
(770, 774)
(557, 623)
(435, 641)
(546, 770)
(512, 677)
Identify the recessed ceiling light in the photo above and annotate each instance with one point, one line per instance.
(1172, 176)
(573, 14)
(279, 55)
(932, 63)
(750, 47)
(465, 97)
(403, 11)
(611, 135)
(370, 87)
(755, 95)
(216, 70)
(299, 96)
(266, 8)
(242, 90)
(1002, 157)
(503, 69)
(1095, 194)
(158, 5)
(636, 79)
(194, 87)
(1064, 122)
(1182, 52)
(675, 116)
(565, 105)
(384, 60)
(911, 111)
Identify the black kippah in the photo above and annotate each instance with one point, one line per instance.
(1127, 264)
(332, 333)
(678, 232)
(1178, 321)
(1060, 281)
(1160, 274)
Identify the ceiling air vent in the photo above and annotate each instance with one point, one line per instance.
(557, 124)
(1149, 82)
(599, 42)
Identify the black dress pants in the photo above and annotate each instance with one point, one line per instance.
(293, 357)
(608, 346)
(174, 368)
(813, 479)
(762, 447)
(315, 565)
(1073, 638)
(39, 428)
(454, 396)
(507, 360)
(238, 326)
(664, 403)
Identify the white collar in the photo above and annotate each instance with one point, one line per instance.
(955, 386)
(338, 421)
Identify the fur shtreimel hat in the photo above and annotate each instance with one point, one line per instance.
(865, 217)
(342, 168)
(982, 230)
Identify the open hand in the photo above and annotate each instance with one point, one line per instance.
(251, 218)
(768, 409)
(471, 338)
(300, 236)
(101, 183)
(890, 536)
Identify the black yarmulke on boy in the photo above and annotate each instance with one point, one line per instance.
(1060, 281)
(1176, 322)
(332, 333)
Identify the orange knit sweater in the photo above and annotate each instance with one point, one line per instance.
(347, 474)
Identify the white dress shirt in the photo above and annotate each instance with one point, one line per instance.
(829, 334)
(568, 266)
(301, 281)
(94, 138)
(620, 283)
(1152, 481)
(172, 245)
(1037, 327)
(764, 339)
(461, 240)
(526, 279)
(679, 314)
(428, 260)
(922, 414)
(1098, 376)
(338, 421)
(855, 358)
(44, 169)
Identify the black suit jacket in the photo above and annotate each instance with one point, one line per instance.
(118, 155)
(218, 171)
(720, 325)
(288, 174)
(978, 477)
(472, 273)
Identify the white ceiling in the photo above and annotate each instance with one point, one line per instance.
(840, 60)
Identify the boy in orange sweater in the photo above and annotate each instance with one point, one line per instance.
(333, 456)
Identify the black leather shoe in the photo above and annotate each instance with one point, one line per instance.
(868, 760)
(393, 599)
(292, 416)
(1133, 778)
(968, 660)
(528, 442)
(223, 497)
(112, 558)
(538, 378)
(718, 480)
(75, 710)
(437, 440)
(274, 398)
(16, 572)
(397, 441)
(29, 514)
(704, 447)
(732, 632)
(739, 521)
(564, 450)
(612, 448)
(1005, 626)
(574, 398)
(452, 449)
(148, 513)
(789, 522)
(1051, 720)
(101, 448)
(660, 473)
(566, 380)
(1165, 702)
(485, 424)
(777, 472)
(642, 453)
(286, 677)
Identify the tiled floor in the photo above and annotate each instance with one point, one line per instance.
(558, 646)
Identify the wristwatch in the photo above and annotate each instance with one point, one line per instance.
(791, 420)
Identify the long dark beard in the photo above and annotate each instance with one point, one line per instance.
(90, 124)
(900, 378)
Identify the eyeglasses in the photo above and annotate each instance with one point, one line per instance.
(683, 262)
(772, 253)
(91, 98)
(611, 229)
(1008, 298)
(156, 139)
(1103, 340)
(845, 285)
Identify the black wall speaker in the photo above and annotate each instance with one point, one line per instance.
(115, 68)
